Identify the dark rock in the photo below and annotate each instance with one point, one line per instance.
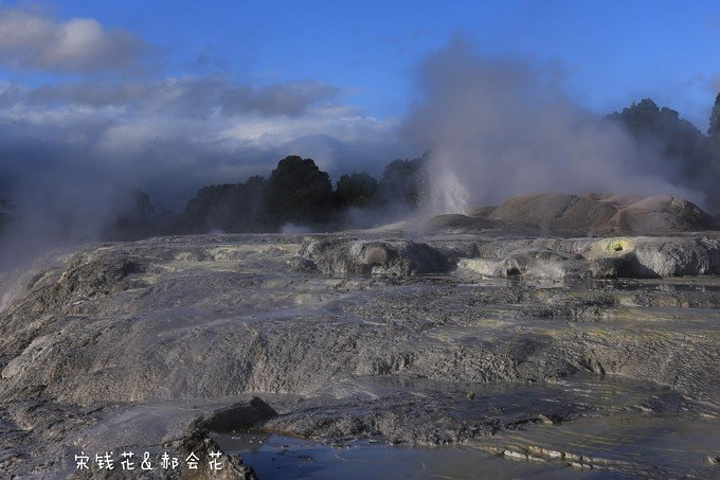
(237, 417)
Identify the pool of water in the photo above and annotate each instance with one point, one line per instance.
(630, 429)
(283, 458)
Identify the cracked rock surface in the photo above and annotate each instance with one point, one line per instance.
(453, 337)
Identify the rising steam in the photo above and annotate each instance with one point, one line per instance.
(499, 127)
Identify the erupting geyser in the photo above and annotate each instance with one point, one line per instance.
(498, 128)
(448, 191)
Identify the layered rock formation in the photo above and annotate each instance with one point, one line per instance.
(593, 214)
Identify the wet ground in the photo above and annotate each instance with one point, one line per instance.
(620, 429)
(388, 372)
(286, 458)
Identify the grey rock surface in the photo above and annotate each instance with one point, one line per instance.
(604, 214)
(449, 337)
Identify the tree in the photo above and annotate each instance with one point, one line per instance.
(232, 208)
(714, 136)
(404, 181)
(298, 192)
(355, 190)
(684, 145)
(714, 128)
(198, 216)
(646, 118)
(134, 216)
(681, 141)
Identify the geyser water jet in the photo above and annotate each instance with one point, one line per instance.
(449, 192)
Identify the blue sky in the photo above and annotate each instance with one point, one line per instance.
(613, 51)
(219, 89)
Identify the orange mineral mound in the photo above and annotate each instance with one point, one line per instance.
(599, 214)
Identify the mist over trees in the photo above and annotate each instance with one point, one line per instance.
(404, 182)
(231, 208)
(694, 158)
(135, 218)
(298, 193)
(713, 130)
(355, 190)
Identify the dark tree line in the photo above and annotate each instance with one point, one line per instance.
(230, 208)
(299, 193)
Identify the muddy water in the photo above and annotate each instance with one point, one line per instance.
(284, 458)
(619, 448)
(650, 432)
(629, 429)
(661, 446)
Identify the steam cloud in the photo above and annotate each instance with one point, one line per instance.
(498, 127)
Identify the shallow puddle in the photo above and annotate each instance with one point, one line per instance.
(644, 445)
(283, 458)
(630, 429)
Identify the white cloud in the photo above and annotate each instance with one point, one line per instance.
(340, 122)
(172, 137)
(32, 40)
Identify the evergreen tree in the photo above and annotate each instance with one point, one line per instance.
(299, 192)
(356, 190)
(404, 181)
(692, 155)
(714, 128)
